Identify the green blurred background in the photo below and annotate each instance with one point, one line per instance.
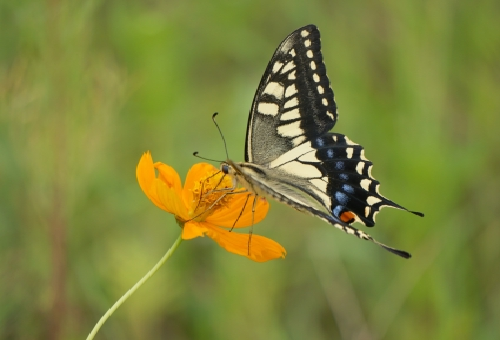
(87, 86)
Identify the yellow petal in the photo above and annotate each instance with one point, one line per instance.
(193, 229)
(164, 191)
(259, 249)
(146, 177)
(171, 200)
(169, 176)
(227, 215)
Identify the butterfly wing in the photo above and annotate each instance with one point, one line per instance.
(290, 153)
(294, 101)
(328, 177)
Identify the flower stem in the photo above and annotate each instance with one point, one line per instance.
(134, 288)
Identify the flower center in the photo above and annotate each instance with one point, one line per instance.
(211, 193)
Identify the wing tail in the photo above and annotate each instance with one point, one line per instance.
(347, 228)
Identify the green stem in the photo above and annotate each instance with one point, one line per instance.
(134, 288)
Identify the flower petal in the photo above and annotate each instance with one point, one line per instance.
(261, 248)
(193, 229)
(171, 200)
(226, 216)
(197, 171)
(164, 191)
(146, 177)
(169, 176)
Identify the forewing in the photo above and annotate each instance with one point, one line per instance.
(294, 101)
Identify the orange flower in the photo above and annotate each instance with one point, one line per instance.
(203, 208)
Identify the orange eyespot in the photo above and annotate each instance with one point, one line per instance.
(347, 217)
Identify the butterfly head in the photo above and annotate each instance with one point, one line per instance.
(227, 168)
(231, 169)
(224, 167)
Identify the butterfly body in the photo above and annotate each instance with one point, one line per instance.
(262, 182)
(291, 156)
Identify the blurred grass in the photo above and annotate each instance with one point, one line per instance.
(87, 86)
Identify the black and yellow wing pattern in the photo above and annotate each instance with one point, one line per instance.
(290, 153)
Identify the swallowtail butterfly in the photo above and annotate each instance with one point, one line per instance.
(291, 156)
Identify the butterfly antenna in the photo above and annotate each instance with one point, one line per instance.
(218, 128)
(204, 158)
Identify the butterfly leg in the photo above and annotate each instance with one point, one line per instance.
(241, 212)
(218, 200)
(250, 232)
(210, 207)
(211, 191)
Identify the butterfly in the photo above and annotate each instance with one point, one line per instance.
(290, 153)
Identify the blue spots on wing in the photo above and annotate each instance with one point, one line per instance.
(330, 153)
(339, 165)
(337, 210)
(320, 142)
(341, 197)
(347, 188)
(344, 177)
